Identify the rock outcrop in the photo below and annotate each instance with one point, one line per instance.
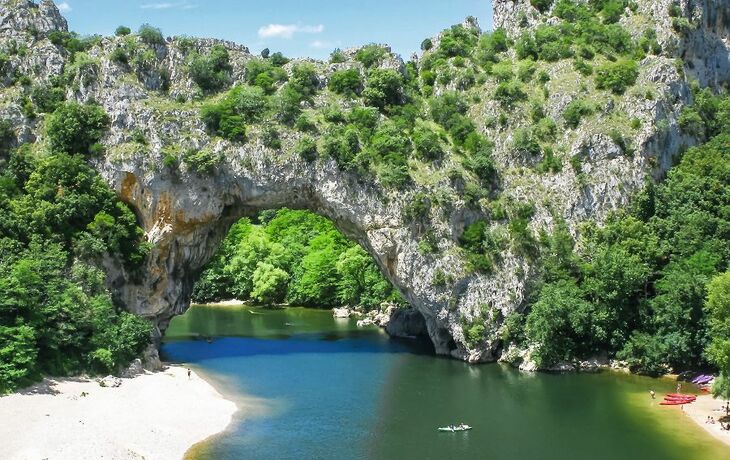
(406, 323)
(185, 213)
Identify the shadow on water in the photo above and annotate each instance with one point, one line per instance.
(334, 391)
(227, 347)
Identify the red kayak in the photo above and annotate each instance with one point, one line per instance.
(686, 400)
(676, 396)
(676, 402)
(690, 398)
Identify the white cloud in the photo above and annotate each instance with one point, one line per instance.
(168, 6)
(157, 6)
(64, 7)
(288, 30)
(321, 44)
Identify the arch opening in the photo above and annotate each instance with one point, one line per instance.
(294, 257)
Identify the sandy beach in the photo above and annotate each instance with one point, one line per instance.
(152, 416)
(706, 405)
(226, 303)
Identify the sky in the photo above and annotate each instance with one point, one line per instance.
(298, 28)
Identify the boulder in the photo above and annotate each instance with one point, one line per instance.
(135, 368)
(343, 312)
(407, 323)
(110, 382)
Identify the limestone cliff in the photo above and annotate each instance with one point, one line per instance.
(186, 213)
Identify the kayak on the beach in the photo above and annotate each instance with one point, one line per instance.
(676, 402)
(702, 379)
(677, 395)
(677, 398)
(679, 401)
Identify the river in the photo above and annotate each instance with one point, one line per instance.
(314, 387)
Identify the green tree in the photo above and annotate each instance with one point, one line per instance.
(211, 72)
(559, 324)
(76, 128)
(122, 31)
(151, 35)
(617, 76)
(269, 284)
(383, 89)
(346, 82)
(370, 55)
(718, 309)
(18, 354)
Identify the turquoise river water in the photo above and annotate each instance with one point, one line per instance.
(313, 387)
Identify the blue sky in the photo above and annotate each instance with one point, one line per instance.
(296, 27)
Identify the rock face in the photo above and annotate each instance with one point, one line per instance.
(704, 47)
(406, 323)
(185, 214)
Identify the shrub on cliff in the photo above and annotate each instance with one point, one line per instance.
(203, 161)
(346, 82)
(306, 148)
(510, 93)
(304, 80)
(457, 41)
(479, 158)
(264, 74)
(342, 144)
(617, 76)
(541, 5)
(370, 55)
(427, 143)
(575, 111)
(75, 128)
(151, 35)
(383, 89)
(229, 116)
(122, 31)
(212, 71)
(491, 44)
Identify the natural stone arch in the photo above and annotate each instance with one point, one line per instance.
(186, 215)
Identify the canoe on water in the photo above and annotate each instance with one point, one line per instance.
(453, 429)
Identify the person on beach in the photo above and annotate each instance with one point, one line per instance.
(679, 388)
(653, 394)
(727, 408)
(188, 373)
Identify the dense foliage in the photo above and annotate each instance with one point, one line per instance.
(296, 257)
(718, 308)
(638, 288)
(212, 71)
(75, 128)
(58, 220)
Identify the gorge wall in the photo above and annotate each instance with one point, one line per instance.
(186, 213)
